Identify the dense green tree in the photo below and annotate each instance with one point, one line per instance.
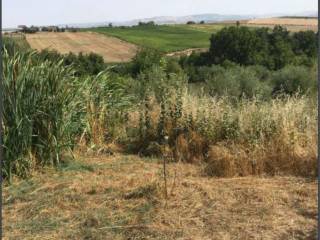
(150, 24)
(274, 49)
(305, 43)
(280, 48)
(144, 60)
(238, 44)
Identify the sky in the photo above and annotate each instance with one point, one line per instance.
(47, 12)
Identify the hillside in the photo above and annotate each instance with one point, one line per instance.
(110, 48)
(209, 18)
(164, 38)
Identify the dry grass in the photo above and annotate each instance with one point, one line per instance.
(112, 49)
(121, 197)
(292, 24)
(187, 52)
(253, 138)
(285, 21)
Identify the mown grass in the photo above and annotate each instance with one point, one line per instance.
(128, 203)
(164, 38)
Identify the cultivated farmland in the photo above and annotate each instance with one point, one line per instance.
(164, 38)
(112, 49)
(293, 24)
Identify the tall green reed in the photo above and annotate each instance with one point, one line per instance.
(36, 115)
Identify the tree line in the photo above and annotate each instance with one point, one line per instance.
(273, 49)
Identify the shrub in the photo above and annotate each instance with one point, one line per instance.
(221, 82)
(86, 64)
(145, 60)
(292, 80)
(235, 82)
(83, 64)
(173, 66)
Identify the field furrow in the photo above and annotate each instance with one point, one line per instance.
(112, 49)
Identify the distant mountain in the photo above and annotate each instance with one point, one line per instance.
(307, 14)
(297, 14)
(208, 18)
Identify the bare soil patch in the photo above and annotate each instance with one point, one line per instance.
(112, 49)
(187, 52)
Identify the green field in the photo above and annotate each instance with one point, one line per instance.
(164, 38)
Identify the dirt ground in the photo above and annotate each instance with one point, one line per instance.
(187, 52)
(122, 197)
(112, 49)
(292, 24)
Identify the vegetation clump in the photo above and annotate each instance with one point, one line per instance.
(250, 110)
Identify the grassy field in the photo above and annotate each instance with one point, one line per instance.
(171, 38)
(164, 38)
(121, 197)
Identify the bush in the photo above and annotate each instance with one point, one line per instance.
(83, 64)
(145, 60)
(261, 72)
(90, 64)
(235, 82)
(294, 79)
(173, 66)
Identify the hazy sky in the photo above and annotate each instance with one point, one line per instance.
(44, 12)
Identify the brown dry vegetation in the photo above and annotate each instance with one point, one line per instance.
(121, 197)
(277, 137)
(292, 24)
(112, 49)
